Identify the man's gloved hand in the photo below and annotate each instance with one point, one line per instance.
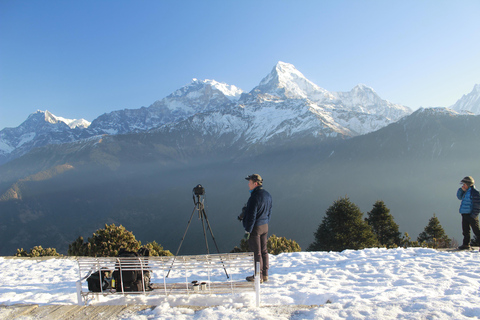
(247, 235)
(242, 215)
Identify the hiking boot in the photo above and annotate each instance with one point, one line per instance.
(464, 247)
(252, 278)
(265, 278)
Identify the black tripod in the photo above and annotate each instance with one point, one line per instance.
(199, 193)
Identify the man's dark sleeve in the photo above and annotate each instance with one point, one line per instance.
(250, 215)
(475, 202)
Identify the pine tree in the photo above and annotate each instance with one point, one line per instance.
(343, 227)
(383, 225)
(434, 235)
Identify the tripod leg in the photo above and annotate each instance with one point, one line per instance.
(181, 242)
(214, 241)
(204, 232)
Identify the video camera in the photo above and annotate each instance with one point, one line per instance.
(199, 190)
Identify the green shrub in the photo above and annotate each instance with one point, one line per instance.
(38, 251)
(156, 249)
(107, 242)
(275, 245)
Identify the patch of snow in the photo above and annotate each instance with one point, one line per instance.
(5, 148)
(413, 283)
(25, 138)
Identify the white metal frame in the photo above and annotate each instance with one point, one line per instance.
(179, 267)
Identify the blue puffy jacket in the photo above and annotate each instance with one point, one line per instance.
(470, 201)
(259, 209)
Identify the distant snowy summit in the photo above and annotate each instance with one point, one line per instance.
(40, 128)
(283, 107)
(286, 82)
(72, 123)
(469, 102)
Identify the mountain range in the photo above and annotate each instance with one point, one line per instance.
(138, 167)
(284, 104)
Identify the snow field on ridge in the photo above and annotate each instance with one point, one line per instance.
(375, 283)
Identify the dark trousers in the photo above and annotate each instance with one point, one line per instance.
(467, 222)
(258, 245)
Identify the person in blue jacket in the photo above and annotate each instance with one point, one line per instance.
(469, 209)
(256, 216)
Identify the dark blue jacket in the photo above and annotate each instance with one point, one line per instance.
(259, 209)
(470, 201)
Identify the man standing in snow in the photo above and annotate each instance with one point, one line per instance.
(255, 221)
(469, 209)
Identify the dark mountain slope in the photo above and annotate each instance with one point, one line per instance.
(144, 181)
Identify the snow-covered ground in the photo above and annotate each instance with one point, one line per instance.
(366, 284)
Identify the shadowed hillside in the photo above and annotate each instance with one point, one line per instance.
(144, 183)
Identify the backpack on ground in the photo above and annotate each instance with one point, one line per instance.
(131, 279)
(97, 283)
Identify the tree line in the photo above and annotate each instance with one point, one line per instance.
(343, 227)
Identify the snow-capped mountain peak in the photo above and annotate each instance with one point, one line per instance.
(199, 96)
(230, 91)
(285, 106)
(196, 97)
(364, 99)
(48, 117)
(360, 96)
(286, 82)
(198, 88)
(40, 128)
(469, 102)
(72, 123)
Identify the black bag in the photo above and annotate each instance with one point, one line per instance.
(132, 279)
(94, 282)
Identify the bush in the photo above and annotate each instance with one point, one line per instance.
(107, 242)
(156, 249)
(38, 251)
(275, 245)
(407, 242)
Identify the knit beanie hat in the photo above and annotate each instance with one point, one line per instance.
(468, 181)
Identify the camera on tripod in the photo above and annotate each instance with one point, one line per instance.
(199, 190)
(199, 206)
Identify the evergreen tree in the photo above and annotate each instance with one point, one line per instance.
(343, 227)
(383, 225)
(433, 235)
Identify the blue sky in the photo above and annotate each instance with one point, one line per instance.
(80, 59)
